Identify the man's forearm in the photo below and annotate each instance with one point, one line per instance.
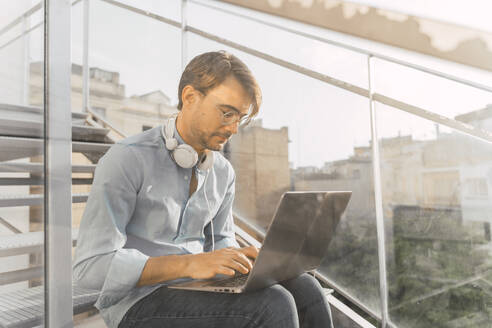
(225, 261)
(164, 268)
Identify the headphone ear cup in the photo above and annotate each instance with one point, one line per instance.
(207, 162)
(185, 156)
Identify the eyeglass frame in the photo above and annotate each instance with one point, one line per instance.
(242, 120)
(232, 117)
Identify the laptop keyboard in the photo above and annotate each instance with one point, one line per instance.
(235, 281)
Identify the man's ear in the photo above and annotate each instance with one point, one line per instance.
(189, 95)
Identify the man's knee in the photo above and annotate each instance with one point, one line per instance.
(304, 286)
(306, 281)
(306, 291)
(279, 307)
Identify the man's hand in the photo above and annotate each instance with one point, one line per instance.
(225, 261)
(198, 266)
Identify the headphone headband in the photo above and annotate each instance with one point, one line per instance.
(168, 134)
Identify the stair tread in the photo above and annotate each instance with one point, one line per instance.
(34, 110)
(11, 200)
(25, 307)
(34, 129)
(27, 239)
(21, 147)
(31, 196)
(39, 167)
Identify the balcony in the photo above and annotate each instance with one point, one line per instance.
(408, 133)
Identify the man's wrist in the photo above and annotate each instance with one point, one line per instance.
(186, 268)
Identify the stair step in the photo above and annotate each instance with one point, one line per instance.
(29, 128)
(38, 181)
(17, 147)
(25, 308)
(29, 242)
(10, 277)
(90, 147)
(39, 167)
(26, 112)
(89, 133)
(32, 200)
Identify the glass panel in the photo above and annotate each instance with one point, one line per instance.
(89, 131)
(21, 164)
(135, 68)
(135, 65)
(323, 58)
(309, 136)
(436, 94)
(437, 212)
(169, 9)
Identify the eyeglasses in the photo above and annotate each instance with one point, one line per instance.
(232, 117)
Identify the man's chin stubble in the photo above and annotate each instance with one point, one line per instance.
(214, 147)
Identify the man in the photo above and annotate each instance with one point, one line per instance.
(160, 210)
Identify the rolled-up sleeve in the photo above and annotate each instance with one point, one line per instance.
(100, 260)
(223, 222)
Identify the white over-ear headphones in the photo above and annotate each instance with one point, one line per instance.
(184, 155)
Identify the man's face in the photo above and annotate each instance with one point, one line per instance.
(207, 122)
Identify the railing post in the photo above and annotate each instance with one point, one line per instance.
(383, 285)
(57, 165)
(184, 41)
(85, 60)
(27, 67)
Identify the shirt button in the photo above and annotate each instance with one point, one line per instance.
(186, 177)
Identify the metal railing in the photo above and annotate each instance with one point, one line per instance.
(415, 110)
(369, 93)
(100, 119)
(345, 46)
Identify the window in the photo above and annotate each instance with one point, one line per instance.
(476, 187)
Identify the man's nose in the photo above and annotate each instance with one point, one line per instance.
(232, 128)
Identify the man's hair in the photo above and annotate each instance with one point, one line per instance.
(209, 70)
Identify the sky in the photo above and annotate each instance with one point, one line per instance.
(324, 122)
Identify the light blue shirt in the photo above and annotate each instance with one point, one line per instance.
(139, 207)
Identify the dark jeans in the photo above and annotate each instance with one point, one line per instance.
(299, 302)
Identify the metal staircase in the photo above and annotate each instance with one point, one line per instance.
(21, 144)
(25, 308)
(21, 132)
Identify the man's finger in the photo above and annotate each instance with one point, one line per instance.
(244, 260)
(250, 251)
(225, 270)
(233, 263)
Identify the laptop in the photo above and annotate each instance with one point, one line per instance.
(297, 240)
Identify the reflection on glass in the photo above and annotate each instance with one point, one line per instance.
(135, 65)
(442, 96)
(21, 165)
(323, 58)
(437, 212)
(170, 9)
